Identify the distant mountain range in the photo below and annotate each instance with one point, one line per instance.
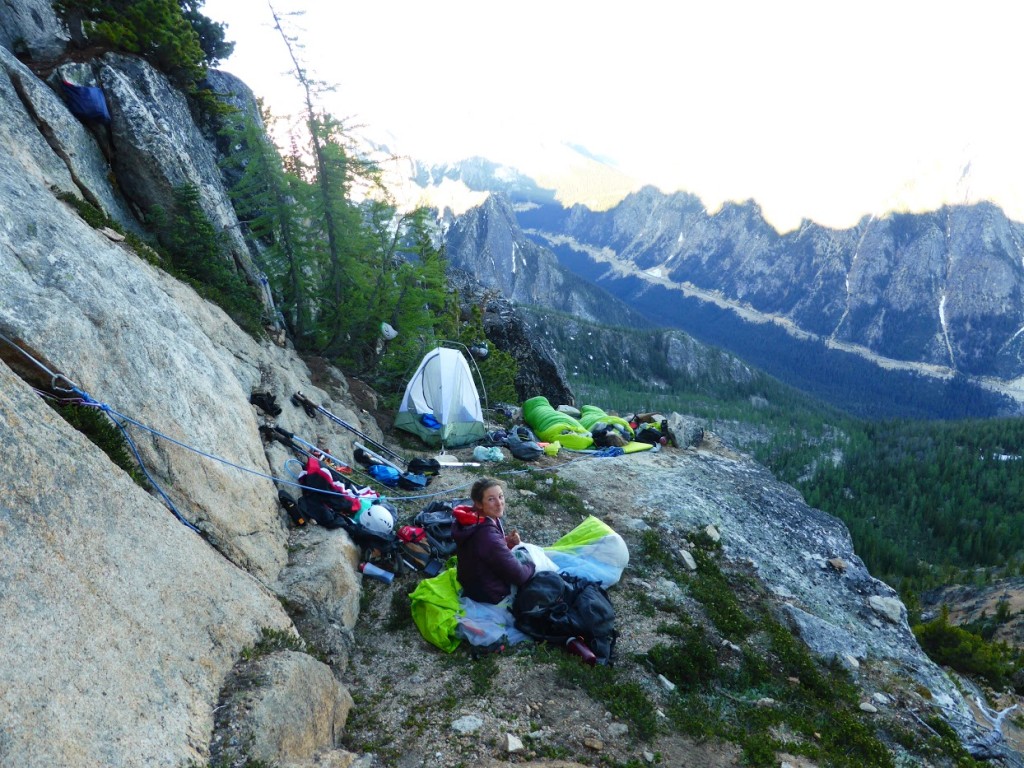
(916, 315)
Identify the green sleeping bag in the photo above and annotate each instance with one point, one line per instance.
(550, 425)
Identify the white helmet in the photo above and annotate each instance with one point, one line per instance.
(377, 519)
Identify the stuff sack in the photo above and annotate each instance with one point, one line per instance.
(86, 102)
(557, 607)
(384, 474)
(435, 609)
(523, 445)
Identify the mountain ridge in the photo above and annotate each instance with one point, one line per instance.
(936, 296)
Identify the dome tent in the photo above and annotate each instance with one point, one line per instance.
(441, 404)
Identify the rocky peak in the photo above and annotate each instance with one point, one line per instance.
(935, 293)
(488, 242)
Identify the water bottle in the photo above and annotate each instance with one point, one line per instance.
(578, 647)
(371, 570)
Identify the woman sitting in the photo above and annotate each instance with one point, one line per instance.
(487, 570)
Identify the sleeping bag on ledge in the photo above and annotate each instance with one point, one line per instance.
(554, 426)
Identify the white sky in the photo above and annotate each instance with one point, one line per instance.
(815, 109)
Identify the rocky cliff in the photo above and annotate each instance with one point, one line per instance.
(488, 242)
(121, 624)
(132, 638)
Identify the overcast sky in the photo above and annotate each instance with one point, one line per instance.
(823, 110)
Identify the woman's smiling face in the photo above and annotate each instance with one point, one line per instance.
(493, 502)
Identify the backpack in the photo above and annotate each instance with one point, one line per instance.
(416, 550)
(649, 433)
(557, 607)
(428, 467)
(436, 521)
(321, 498)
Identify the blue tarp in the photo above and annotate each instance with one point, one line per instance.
(86, 102)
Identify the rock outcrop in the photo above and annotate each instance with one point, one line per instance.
(122, 624)
(539, 371)
(31, 28)
(788, 545)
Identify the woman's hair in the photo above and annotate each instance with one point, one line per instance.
(480, 488)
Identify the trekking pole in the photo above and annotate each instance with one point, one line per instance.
(296, 443)
(340, 465)
(311, 408)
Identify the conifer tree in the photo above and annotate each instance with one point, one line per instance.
(271, 202)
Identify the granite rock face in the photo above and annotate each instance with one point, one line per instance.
(158, 147)
(120, 624)
(125, 622)
(787, 545)
(30, 28)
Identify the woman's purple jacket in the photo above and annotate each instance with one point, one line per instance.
(486, 568)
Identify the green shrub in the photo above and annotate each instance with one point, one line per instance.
(690, 663)
(198, 255)
(96, 426)
(173, 36)
(965, 651)
(711, 587)
(273, 640)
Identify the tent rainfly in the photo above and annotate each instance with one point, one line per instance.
(441, 404)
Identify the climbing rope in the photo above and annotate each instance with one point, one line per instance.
(59, 382)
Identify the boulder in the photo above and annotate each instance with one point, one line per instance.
(889, 608)
(285, 709)
(322, 587)
(685, 431)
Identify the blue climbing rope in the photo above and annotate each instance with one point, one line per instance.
(61, 383)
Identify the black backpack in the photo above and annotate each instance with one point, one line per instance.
(523, 445)
(436, 519)
(556, 607)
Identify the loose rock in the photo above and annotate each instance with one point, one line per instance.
(467, 724)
